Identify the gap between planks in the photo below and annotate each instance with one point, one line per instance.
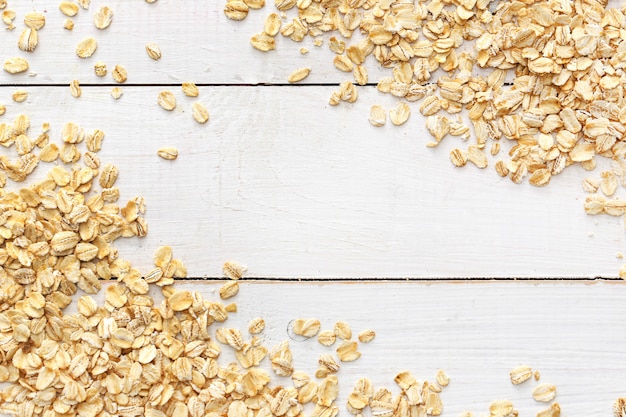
(421, 280)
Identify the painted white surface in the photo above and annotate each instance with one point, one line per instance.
(292, 187)
(477, 332)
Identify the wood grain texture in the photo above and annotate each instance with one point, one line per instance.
(292, 187)
(199, 43)
(572, 333)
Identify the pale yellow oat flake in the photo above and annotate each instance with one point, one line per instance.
(378, 115)
(263, 42)
(544, 392)
(119, 74)
(153, 50)
(75, 89)
(168, 153)
(520, 374)
(190, 89)
(19, 96)
(116, 92)
(103, 17)
(28, 40)
(68, 8)
(34, 20)
(400, 114)
(256, 325)
(299, 75)
(236, 9)
(100, 68)
(86, 47)
(367, 336)
(306, 327)
(200, 113)
(15, 65)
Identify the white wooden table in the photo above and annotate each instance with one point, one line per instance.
(300, 190)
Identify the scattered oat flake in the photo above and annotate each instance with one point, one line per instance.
(167, 100)
(168, 153)
(86, 47)
(68, 8)
(34, 20)
(299, 75)
(272, 24)
(306, 327)
(263, 42)
(68, 24)
(229, 290)
(520, 374)
(116, 92)
(15, 65)
(233, 270)
(477, 156)
(502, 408)
(200, 113)
(553, 411)
(100, 68)
(190, 89)
(326, 337)
(19, 96)
(256, 325)
(378, 115)
(119, 74)
(367, 336)
(75, 89)
(103, 17)
(544, 392)
(153, 50)
(236, 9)
(400, 114)
(28, 40)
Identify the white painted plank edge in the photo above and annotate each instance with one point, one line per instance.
(199, 43)
(292, 187)
(572, 333)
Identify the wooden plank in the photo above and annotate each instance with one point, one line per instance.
(292, 187)
(198, 42)
(572, 333)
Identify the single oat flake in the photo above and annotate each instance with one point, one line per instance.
(119, 74)
(86, 47)
(168, 153)
(299, 75)
(116, 92)
(68, 8)
(34, 20)
(167, 100)
(378, 115)
(153, 51)
(15, 65)
(236, 9)
(521, 374)
(75, 89)
(544, 392)
(19, 96)
(200, 113)
(103, 17)
(190, 89)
